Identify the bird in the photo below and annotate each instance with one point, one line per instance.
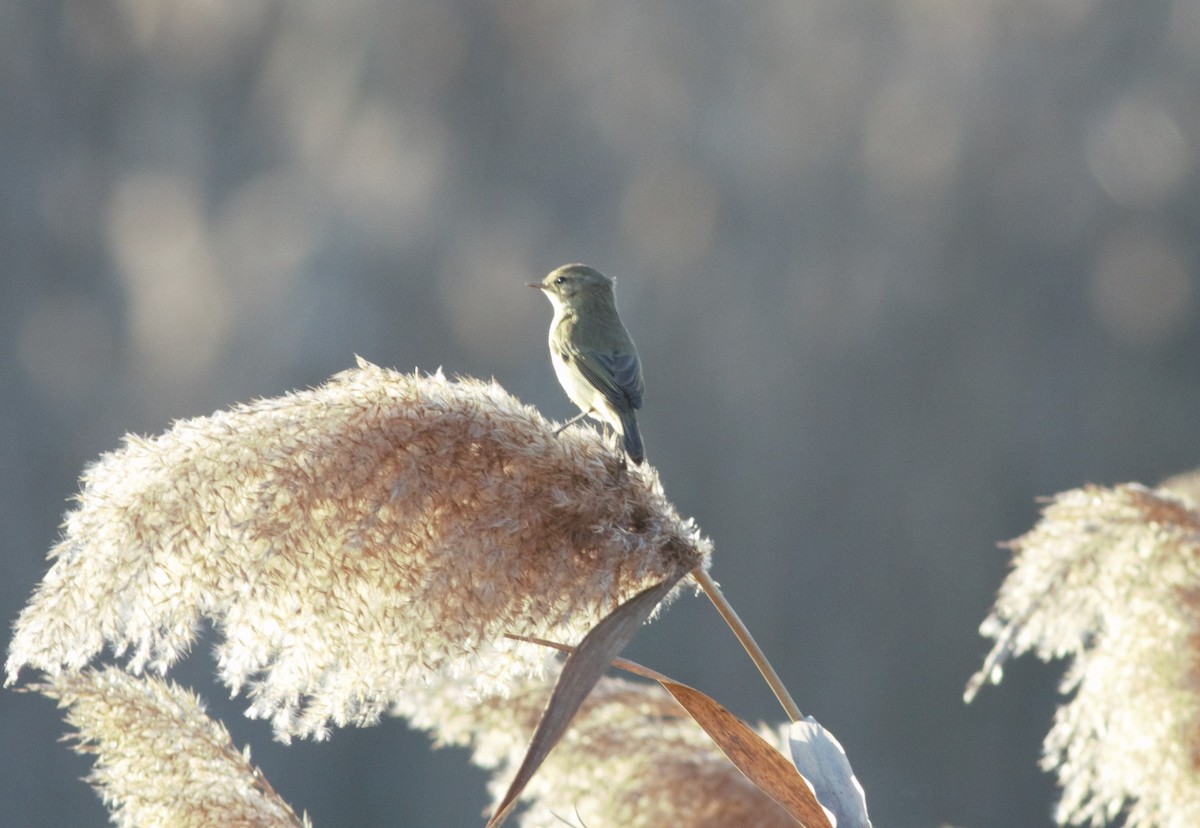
(593, 355)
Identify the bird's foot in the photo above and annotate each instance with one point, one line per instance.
(570, 423)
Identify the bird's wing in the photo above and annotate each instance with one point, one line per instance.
(617, 375)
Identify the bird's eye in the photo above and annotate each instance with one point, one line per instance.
(560, 280)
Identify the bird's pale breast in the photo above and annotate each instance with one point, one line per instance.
(585, 395)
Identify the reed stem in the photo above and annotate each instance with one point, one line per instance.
(743, 635)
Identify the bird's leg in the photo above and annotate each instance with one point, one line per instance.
(570, 422)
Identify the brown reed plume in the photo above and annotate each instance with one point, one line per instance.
(350, 543)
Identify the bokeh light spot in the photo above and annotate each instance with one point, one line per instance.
(387, 167)
(179, 310)
(1137, 152)
(1141, 288)
(263, 233)
(913, 139)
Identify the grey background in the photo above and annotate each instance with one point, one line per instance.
(895, 269)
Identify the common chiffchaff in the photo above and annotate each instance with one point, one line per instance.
(593, 355)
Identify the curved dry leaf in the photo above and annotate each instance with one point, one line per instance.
(753, 756)
(761, 763)
(582, 669)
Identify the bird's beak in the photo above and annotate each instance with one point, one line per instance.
(537, 285)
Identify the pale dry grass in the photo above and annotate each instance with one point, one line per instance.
(160, 761)
(1110, 580)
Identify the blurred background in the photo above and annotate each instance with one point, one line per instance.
(895, 270)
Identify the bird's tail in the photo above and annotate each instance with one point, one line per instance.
(632, 437)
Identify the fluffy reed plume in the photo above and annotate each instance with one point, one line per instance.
(352, 542)
(160, 761)
(632, 757)
(1110, 579)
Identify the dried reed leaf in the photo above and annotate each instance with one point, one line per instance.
(583, 668)
(632, 757)
(752, 755)
(749, 752)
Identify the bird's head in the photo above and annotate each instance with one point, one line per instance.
(573, 285)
